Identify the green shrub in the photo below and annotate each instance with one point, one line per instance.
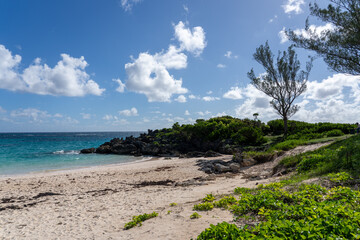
(249, 136)
(288, 144)
(173, 204)
(206, 206)
(137, 220)
(334, 133)
(209, 198)
(310, 161)
(304, 212)
(339, 177)
(225, 202)
(222, 231)
(195, 215)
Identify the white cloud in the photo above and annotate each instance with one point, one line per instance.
(186, 8)
(149, 74)
(255, 102)
(67, 78)
(230, 55)
(318, 31)
(282, 36)
(293, 6)
(58, 115)
(209, 92)
(220, 65)
(86, 115)
(234, 93)
(128, 4)
(191, 96)
(2, 110)
(210, 99)
(129, 112)
(121, 87)
(203, 113)
(187, 113)
(109, 117)
(191, 41)
(34, 114)
(181, 99)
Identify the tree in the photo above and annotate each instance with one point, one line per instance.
(284, 82)
(339, 45)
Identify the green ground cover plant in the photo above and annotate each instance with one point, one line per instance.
(305, 211)
(206, 206)
(137, 220)
(195, 215)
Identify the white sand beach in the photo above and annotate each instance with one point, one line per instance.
(95, 203)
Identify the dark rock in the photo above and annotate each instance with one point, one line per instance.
(194, 154)
(221, 168)
(248, 162)
(235, 167)
(87, 150)
(211, 153)
(103, 149)
(123, 148)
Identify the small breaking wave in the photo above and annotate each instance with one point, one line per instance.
(71, 152)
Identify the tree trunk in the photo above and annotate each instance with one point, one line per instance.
(285, 126)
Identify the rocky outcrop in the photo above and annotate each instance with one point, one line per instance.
(161, 143)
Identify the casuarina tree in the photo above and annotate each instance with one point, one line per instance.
(338, 44)
(283, 80)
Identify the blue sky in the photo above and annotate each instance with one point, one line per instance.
(121, 65)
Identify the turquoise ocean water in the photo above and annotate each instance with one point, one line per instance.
(22, 153)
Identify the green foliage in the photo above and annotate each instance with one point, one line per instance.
(222, 231)
(339, 177)
(206, 206)
(288, 144)
(304, 130)
(334, 133)
(283, 80)
(225, 202)
(195, 215)
(302, 212)
(310, 161)
(339, 48)
(209, 198)
(248, 135)
(173, 204)
(137, 220)
(342, 155)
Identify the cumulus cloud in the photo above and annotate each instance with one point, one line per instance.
(121, 87)
(149, 74)
(187, 113)
(318, 31)
(220, 65)
(67, 78)
(210, 99)
(129, 112)
(190, 40)
(203, 113)
(181, 99)
(293, 6)
(234, 93)
(255, 102)
(334, 99)
(192, 96)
